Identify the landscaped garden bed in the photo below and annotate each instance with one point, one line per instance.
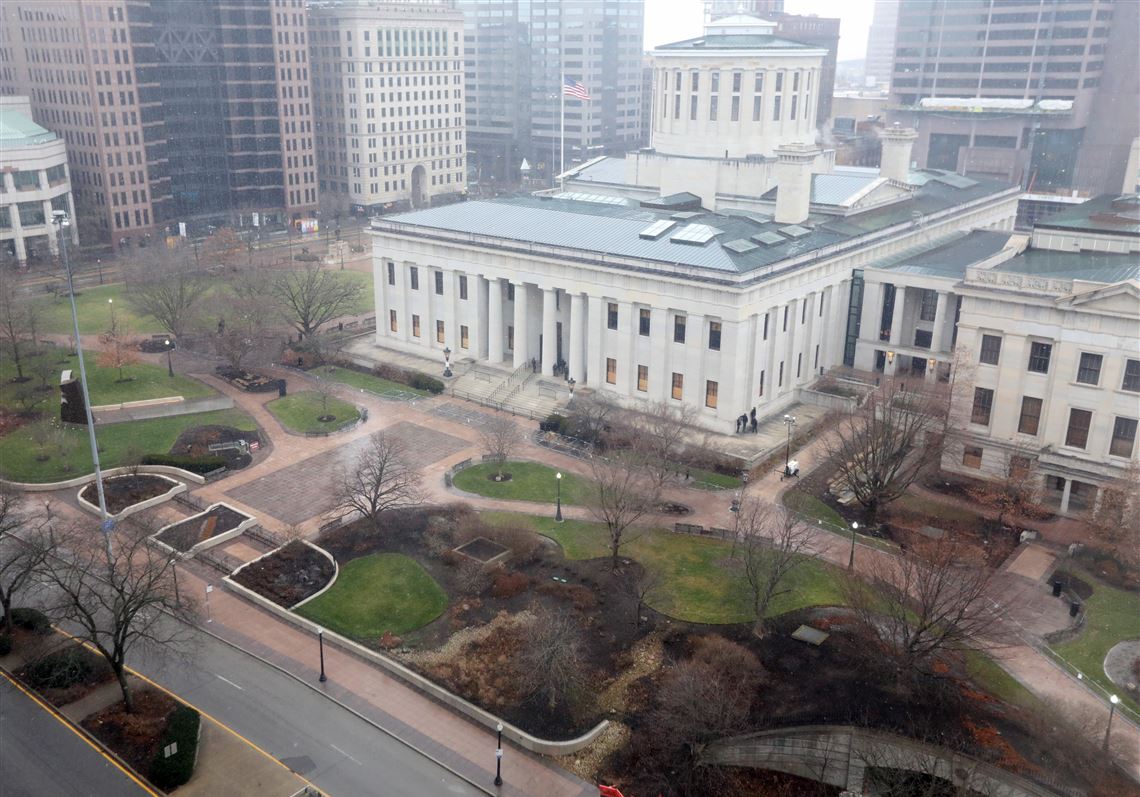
(66, 673)
(355, 376)
(309, 412)
(289, 575)
(248, 381)
(228, 444)
(217, 521)
(130, 492)
(523, 481)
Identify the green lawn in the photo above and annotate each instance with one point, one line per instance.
(935, 510)
(1111, 615)
(369, 382)
(367, 301)
(94, 312)
(711, 480)
(813, 509)
(695, 584)
(299, 412)
(529, 481)
(378, 593)
(71, 454)
(988, 674)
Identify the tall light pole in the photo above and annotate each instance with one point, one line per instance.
(1112, 701)
(790, 422)
(61, 221)
(321, 643)
(851, 558)
(174, 572)
(558, 510)
(447, 362)
(169, 362)
(499, 756)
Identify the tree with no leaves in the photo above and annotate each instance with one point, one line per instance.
(883, 446)
(17, 324)
(659, 434)
(114, 597)
(551, 662)
(774, 542)
(1014, 490)
(119, 351)
(311, 297)
(169, 290)
(247, 312)
(1114, 520)
(20, 556)
(501, 439)
(934, 600)
(621, 494)
(380, 479)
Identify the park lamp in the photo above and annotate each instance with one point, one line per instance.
(447, 361)
(558, 510)
(890, 356)
(932, 362)
(851, 558)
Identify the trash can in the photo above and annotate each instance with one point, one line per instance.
(281, 388)
(1074, 608)
(1057, 585)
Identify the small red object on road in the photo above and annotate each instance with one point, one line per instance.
(608, 791)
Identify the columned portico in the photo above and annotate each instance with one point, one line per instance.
(549, 327)
(495, 333)
(577, 356)
(521, 351)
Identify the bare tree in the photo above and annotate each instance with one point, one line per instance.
(932, 601)
(311, 297)
(114, 596)
(29, 396)
(1014, 490)
(17, 321)
(711, 694)
(119, 351)
(551, 663)
(1114, 520)
(774, 542)
(20, 556)
(169, 290)
(659, 434)
(247, 312)
(883, 446)
(590, 418)
(380, 479)
(224, 248)
(621, 493)
(501, 439)
(641, 587)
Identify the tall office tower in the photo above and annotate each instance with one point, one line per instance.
(1039, 93)
(881, 43)
(718, 9)
(388, 90)
(172, 110)
(520, 51)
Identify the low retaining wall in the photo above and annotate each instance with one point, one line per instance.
(217, 539)
(432, 689)
(318, 593)
(161, 470)
(178, 487)
(829, 401)
(161, 408)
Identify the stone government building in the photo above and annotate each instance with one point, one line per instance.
(738, 293)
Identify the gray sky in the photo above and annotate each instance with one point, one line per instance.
(673, 20)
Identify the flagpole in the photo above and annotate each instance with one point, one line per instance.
(562, 136)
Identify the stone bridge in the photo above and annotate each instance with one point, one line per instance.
(841, 755)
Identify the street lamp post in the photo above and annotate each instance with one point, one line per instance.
(447, 362)
(558, 510)
(174, 573)
(851, 558)
(169, 361)
(790, 422)
(571, 382)
(499, 756)
(1112, 701)
(321, 643)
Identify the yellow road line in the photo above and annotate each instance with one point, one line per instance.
(208, 716)
(54, 714)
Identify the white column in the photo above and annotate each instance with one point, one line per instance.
(495, 320)
(696, 343)
(897, 315)
(789, 353)
(596, 318)
(53, 241)
(939, 337)
(577, 354)
(404, 319)
(871, 318)
(380, 296)
(827, 325)
(660, 338)
(1065, 493)
(478, 319)
(450, 315)
(807, 370)
(522, 353)
(549, 344)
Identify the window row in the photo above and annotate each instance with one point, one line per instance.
(1076, 433)
(677, 385)
(1040, 354)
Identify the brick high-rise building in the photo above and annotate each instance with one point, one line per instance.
(173, 111)
(1038, 93)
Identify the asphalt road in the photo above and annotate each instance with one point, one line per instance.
(40, 756)
(336, 750)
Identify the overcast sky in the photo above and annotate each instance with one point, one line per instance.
(673, 20)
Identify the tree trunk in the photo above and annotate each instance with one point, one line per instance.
(128, 696)
(871, 516)
(615, 544)
(6, 601)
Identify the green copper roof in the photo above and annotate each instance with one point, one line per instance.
(17, 130)
(1089, 266)
(752, 41)
(1116, 214)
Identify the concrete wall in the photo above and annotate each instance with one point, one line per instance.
(165, 470)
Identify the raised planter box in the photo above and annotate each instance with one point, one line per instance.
(166, 470)
(176, 487)
(216, 539)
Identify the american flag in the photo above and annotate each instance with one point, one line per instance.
(572, 88)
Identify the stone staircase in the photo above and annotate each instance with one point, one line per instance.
(520, 392)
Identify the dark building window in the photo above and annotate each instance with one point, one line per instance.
(678, 329)
(391, 273)
(1077, 435)
(415, 273)
(643, 321)
(991, 349)
(983, 403)
(1039, 354)
(611, 315)
(1131, 376)
(462, 287)
(439, 283)
(1088, 372)
(1123, 437)
(1030, 418)
(714, 335)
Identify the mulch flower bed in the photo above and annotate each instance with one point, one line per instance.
(124, 491)
(218, 520)
(288, 576)
(196, 442)
(248, 381)
(134, 737)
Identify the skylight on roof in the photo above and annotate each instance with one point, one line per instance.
(768, 238)
(685, 214)
(956, 180)
(696, 234)
(657, 229)
(794, 231)
(600, 199)
(740, 246)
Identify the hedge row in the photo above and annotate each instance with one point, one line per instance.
(199, 465)
(171, 772)
(407, 377)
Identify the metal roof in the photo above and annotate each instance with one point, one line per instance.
(1115, 214)
(738, 42)
(949, 259)
(17, 130)
(1090, 266)
(605, 170)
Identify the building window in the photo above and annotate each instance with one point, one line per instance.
(1030, 418)
(1123, 437)
(780, 375)
(766, 325)
(710, 393)
(816, 363)
(678, 329)
(713, 102)
(439, 337)
(923, 338)
(464, 340)
(643, 378)
(611, 371)
(415, 326)
(928, 308)
(463, 287)
(1077, 435)
(983, 403)
(1039, 354)
(392, 320)
(510, 338)
(643, 322)
(1131, 376)
(415, 272)
(762, 375)
(1088, 372)
(611, 315)
(510, 291)
(972, 456)
(799, 364)
(714, 335)
(439, 283)
(678, 386)
(391, 273)
(991, 349)
(786, 308)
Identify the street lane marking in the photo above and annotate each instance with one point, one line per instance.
(346, 755)
(228, 681)
(51, 712)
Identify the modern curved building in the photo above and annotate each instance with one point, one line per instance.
(36, 181)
